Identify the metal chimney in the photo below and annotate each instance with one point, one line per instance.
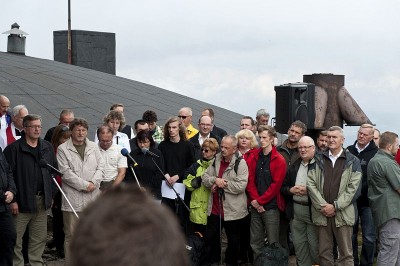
(16, 40)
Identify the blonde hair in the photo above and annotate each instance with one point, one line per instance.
(248, 134)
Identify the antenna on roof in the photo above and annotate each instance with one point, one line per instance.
(69, 34)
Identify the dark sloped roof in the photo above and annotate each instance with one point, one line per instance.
(46, 87)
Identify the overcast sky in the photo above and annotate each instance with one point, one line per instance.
(233, 53)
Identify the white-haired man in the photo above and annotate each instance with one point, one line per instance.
(14, 129)
(294, 189)
(185, 114)
(333, 185)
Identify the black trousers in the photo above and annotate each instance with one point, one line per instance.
(232, 230)
(8, 236)
(180, 211)
(246, 253)
(58, 223)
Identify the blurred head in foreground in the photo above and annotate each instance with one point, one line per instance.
(126, 227)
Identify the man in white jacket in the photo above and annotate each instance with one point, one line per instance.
(82, 167)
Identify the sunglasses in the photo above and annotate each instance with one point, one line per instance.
(205, 150)
(64, 129)
(183, 116)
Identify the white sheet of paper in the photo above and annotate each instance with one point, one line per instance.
(169, 193)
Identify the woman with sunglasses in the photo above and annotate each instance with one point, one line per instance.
(200, 194)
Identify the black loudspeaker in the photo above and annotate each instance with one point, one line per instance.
(294, 101)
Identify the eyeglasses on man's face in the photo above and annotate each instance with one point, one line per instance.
(35, 127)
(304, 147)
(105, 141)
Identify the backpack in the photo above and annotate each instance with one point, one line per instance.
(236, 166)
(196, 249)
(272, 255)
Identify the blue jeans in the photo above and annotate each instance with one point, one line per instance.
(368, 237)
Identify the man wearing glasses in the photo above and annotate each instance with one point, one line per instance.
(66, 117)
(35, 188)
(364, 149)
(205, 126)
(333, 185)
(185, 114)
(298, 205)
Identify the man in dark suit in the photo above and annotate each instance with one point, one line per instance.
(217, 131)
(205, 125)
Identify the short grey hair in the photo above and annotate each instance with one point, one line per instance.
(371, 127)
(233, 139)
(187, 109)
(307, 139)
(337, 128)
(262, 112)
(17, 108)
(65, 112)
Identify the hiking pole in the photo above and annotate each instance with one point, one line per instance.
(221, 195)
(65, 197)
(44, 164)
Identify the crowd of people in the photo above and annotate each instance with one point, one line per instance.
(311, 194)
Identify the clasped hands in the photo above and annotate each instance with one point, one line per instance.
(171, 179)
(219, 183)
(328, 210)
(298, 190)
(257, 206)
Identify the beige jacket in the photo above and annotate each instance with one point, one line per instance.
(235, 202)
(77, 174)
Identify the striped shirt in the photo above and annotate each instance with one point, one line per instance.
(113, 160)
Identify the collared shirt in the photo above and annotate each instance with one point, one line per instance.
(16, 134)
(360, 149)
(201, 139)
(113, 160)
(3, 127)
(191, 131)
(334, 158)
(120, 139)
(2, 143)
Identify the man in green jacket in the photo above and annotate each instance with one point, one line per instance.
(384, 198)
(333, 185)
